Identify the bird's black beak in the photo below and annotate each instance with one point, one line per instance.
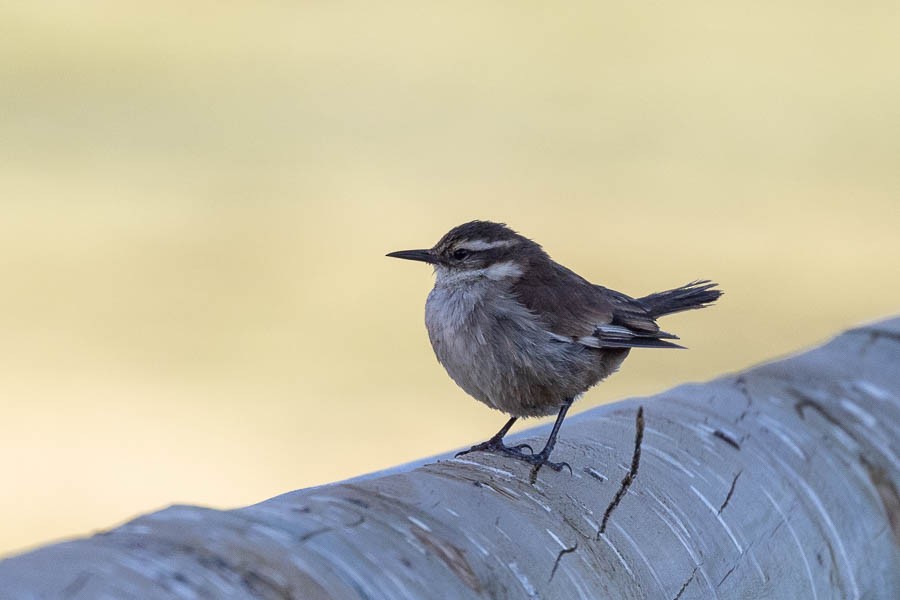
(426, 256)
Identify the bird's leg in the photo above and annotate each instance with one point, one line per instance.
(495, 444)
(543, 457)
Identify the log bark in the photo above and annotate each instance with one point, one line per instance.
(778, 482)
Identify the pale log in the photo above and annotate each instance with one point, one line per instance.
(778, 482)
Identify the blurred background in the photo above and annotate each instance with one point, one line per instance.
(197, 199)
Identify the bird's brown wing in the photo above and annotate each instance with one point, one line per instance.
(594, 316)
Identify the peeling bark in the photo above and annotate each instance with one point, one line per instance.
(780, 482)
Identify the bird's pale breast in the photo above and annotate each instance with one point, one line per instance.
(502, 354)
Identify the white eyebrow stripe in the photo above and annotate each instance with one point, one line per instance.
(475, 245)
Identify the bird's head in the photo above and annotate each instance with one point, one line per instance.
(478, 249)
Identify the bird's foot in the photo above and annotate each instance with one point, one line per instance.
(497, 445)
(542, 459)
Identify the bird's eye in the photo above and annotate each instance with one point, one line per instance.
(460, 254)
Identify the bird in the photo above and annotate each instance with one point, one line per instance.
(527, 336)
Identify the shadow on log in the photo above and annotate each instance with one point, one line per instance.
(779, 482)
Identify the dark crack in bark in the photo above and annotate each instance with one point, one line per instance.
(730, 492)
(559, 556)
(595, 474)
(490, 486)
(311, 534)
(727, 439)
(685, 585)
(315, 532)
(632, 473)
(805, 401)
(727, 575)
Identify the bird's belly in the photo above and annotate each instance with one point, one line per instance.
(501, 355)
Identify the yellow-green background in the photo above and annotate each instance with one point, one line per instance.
(197, 197)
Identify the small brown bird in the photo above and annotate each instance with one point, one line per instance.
(524, 334)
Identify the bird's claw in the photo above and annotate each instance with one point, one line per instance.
(517, 449)
(542, 460)
(494, 445)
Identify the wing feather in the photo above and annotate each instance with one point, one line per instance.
(577, 311)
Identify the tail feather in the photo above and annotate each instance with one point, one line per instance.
(697, 294)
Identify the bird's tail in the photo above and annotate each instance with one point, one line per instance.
(697, 294)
